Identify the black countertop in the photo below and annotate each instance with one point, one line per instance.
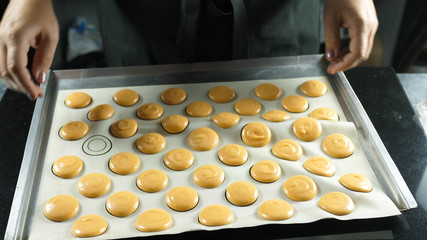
(389, 109)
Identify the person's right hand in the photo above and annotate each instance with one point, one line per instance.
(25, 24)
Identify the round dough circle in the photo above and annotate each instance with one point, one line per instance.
(122, 204)
(124, 128)
(222, 94)
(225, 119)
(216, 215)
(61, 208)
(247, 107)
(338, 145)
(152, 180)
(276, 116)
(320, 165)
(256, 134)
(178, 159)
(287, 149)
(93, 185)
(208, 176)
(153, 220)
(173, 96)
(300, 188)
(78, 100)
(126, 97)
(74, 130)
(337, 203)
(313, 88)
(233, 154)
(266, 171)
(67, 166)
(203, 139)
(89, 226)
(174, 123)
(275, 210)
(295, 104)
(356, 182)
(307, 128)
(199, 109)
(101, 112)
(241, 193)
(182, 198)
(268, 91)
(124, 163)
(150, 111)
(151, 143)
(324, 114)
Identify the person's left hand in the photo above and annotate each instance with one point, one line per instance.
(360, 18)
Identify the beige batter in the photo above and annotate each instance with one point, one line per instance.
(313, 88)
(216, 215)
(150, 111)
(300, 188)
(208, 176)
(247, 107)
(338, 145)
(256, 134)
(74, 130)
(89, 226)
(153, 220)
(67, 166)
(124, 163)
(320, 165)
(275, 210)
(203, 139)
(233, 154)
(61, 208)
(174, 123)
(122, 204)
(324, 114)
(337, 203)
(266, 171)
(268, 91)
(199, 109)
(126, 97)
(78, 100)
(178, 159)
(287, 149)
(101, 112)
(124, 128)
(241, 193)
(152, 180)
(356, 182)
(94, 185)
(307, 128)
(222, 94)
(173, 96)
(182, 198)
(295, 104)
(151, 143)
(225, 119)
(276, 116)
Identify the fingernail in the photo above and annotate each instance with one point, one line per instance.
(330, 54)
(42, 77)
(29, 96)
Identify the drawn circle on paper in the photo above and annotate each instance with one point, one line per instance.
(97, 145)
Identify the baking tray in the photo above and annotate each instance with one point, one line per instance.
(385, 170)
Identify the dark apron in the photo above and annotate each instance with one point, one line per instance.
(143, 32)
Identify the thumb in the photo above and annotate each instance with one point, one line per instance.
(332, 38)
(43, 58)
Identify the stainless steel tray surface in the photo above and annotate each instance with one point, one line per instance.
(26, 192)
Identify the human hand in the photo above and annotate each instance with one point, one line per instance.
(25, 24)
(360, 18)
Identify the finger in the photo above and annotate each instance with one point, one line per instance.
(332, 37)
(43, 57)
(16, 67)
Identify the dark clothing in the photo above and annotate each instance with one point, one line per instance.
(141, 32)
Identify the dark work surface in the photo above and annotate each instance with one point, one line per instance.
(388, 108)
